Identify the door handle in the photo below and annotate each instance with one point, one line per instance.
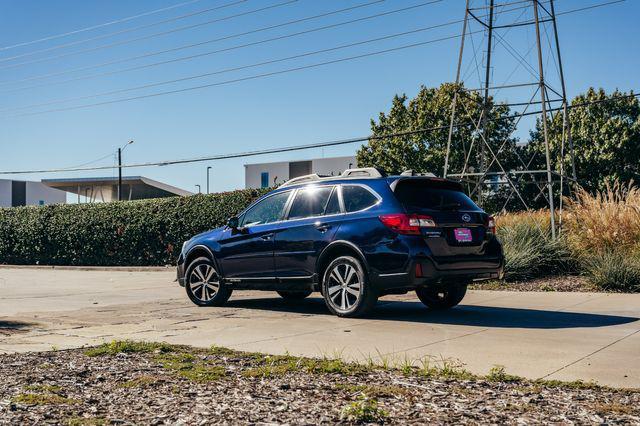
(266, 237)
(323, 227)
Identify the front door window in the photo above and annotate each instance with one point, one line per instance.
(266, 211)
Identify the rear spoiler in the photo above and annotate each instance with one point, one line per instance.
(435, 182)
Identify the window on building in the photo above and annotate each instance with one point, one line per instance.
(264, 179)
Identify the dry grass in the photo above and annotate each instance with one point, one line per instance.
(600, 238)
(606, 221)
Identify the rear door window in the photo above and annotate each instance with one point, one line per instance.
(425, 194)
(310, 201)
(333, 205)
(357, 198)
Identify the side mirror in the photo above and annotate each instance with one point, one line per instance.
(233, 222)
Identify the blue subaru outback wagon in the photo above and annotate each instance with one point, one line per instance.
(353, 238)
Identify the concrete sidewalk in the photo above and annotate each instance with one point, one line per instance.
(567, 336)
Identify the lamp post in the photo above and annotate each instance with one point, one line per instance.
(199, 189)
(208, 168)
(120, 169)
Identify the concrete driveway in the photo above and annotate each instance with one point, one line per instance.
(567, 336)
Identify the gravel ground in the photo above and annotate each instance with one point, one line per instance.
(128, 383)
(554, 283)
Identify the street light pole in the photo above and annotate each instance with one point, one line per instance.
(120, 169)
(119, 174)
(208, 168)
(199, 189)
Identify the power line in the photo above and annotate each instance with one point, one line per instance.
(146, 37)
(94, 27)
(232, 69)
(314, 145)
(248, 78)
(290, 35)
(263, 75)
(123, 31)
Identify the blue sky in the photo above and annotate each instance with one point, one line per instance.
(599, 49)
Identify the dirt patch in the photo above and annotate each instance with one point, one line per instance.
(162, 384)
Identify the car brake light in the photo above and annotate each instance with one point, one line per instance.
(407, 224)
(491, 225)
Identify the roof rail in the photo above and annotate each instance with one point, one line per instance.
(366, 172)
(362, 172)
(301, 179)
(414, 173)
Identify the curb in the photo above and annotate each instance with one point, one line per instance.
(93, 268)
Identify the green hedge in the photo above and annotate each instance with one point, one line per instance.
(140, 233)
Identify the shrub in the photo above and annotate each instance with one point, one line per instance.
(530, 251)
(132, 233)
(614, 271)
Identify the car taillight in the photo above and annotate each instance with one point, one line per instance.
(491, 225)
(407, 224)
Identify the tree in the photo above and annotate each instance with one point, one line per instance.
(606, 139)
(425, 151)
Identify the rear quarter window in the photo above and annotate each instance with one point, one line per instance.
(357, 198)
(425, 194)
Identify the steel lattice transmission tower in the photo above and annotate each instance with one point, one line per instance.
(523, 33)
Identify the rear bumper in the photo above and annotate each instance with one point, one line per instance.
(409, 279)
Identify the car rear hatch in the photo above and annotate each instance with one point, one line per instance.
(458, 236)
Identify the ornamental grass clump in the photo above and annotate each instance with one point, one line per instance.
(603, 233)
(607, 220)
(529, 250)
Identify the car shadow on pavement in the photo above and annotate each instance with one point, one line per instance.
(8, 327)
(480, 316)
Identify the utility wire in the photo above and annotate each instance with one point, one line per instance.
(148, 36)
(315, 145)
(263, 75)
(95, 27)
(232, 69)
(290, 35)
(248, 78)
(123, 31)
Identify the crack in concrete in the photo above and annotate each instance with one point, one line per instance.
(591, 354)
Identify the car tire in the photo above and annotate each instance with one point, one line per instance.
(294, 294)
(442, 297)
(345, 288)
(203, 284)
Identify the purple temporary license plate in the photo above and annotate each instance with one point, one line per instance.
(463, 235)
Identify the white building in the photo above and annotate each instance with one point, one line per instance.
(263, 175)
(14, 193)
(105, 189)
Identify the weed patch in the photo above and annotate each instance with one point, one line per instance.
(139, 382)
(43, 399)
(128, 346)
(191, 367)
(364, 410)
(498, 374)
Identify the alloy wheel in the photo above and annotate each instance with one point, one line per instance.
(204, 282)
(344, 287)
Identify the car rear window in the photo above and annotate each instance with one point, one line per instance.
(425, 194)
